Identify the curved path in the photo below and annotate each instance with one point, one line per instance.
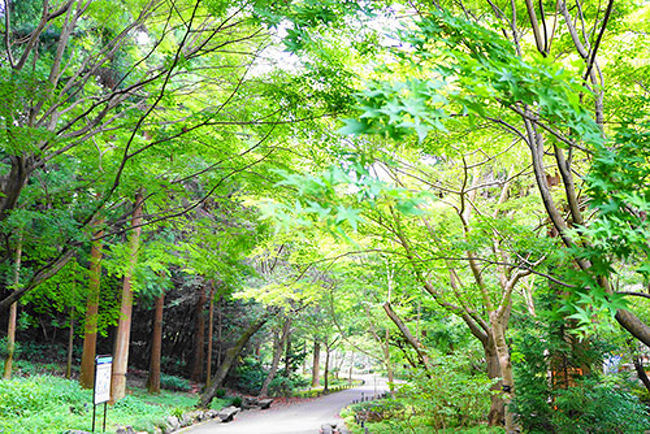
(302, 418)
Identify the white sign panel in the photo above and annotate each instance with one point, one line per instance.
(103, 366)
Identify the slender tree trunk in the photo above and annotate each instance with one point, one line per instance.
(351, 366)
(208, 375)
(87, 375)
(315, 371)
(68, 366)
(219, 330)
(412, 340)
(13, 311)
(287, 355)
(389, 365)
(304, 366)
(153, 381)
(228, 361)
(503, 356)
(279, 339)
(122, 338)
(199, 338)
(327, 368)
(277, 350)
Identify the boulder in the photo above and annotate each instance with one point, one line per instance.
(173, 424)
(187, 419)
(211, 414)
(125, 430)
(227, 414)
(248, 403)
(265, 403)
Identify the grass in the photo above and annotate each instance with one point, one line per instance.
(47, 404)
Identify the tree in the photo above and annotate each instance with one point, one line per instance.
(122, 337)
(13, 311)
(87, 376)
(153, 380)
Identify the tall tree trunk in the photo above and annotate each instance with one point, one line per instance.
(13, 311)
(287, 355)
(351, 366)
(315, 371)
(208, 375)
(153, 380)
(87, 375)
(389, 365)
(122, 338)
(231, 355)
(327, 368)
(199, 338)
(496, 414)
(219, 329)
(503, 356)
(279, 340)
(277, 350)
(68, 366)
(304, 366)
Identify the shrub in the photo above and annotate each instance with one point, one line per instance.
(593, 404)
(219, 403)
(220, 393)
(172, 382)
(3, 348)
(283, 386)
(236, 401)
(178, 412)
(249, 375)
(598, 408)
(452, 396)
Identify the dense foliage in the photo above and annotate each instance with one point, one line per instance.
(272, 198)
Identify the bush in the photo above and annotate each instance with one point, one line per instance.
(452, 396)
(172, 382)
(593, 404)
(249, 376)
(236, 401)
(598, 408)
(219, 403)
(283, 386)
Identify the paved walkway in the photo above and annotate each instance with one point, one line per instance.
(302, 418)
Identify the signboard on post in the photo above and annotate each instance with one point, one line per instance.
(102, 387)
(103, 366)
